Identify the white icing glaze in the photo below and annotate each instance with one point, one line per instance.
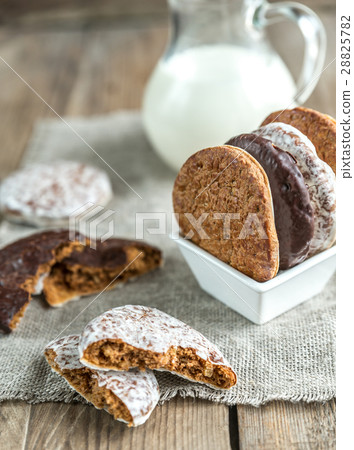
(49, 193)
(139, 391)
(148, 329)
(318, 176)
(66, 349)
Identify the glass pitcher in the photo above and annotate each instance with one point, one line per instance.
(219, 75)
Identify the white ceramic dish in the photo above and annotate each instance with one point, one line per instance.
(259, 302)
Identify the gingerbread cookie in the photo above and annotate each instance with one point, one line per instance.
(23, 266)
(62, 269)
(223, 203)
(47, 194)
(146, 338)
(13, 303)
(318, 176)
(319, 128)
(92, 270)
(294, 216)
(129, 396)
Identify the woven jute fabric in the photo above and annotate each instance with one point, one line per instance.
(290, 358)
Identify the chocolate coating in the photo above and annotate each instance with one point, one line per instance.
(12, 302)
(109, 254)
(294, 217)
(20, 260)
(20, 263)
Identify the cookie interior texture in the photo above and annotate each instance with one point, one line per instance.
(319, 128)
(22, 264)
(83, 382)
(221, 180)
(116, 354)
(294, 216)
(66, 269)
(91, 270)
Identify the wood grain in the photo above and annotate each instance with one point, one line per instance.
(283, 425)
(109, 62)
(48, 63)
(84, 73)
(179, 424)
(80, 66)
(76, 73)
(66, 10)
(66, 14)
(14, 418)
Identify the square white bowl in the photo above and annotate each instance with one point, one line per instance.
(258, 302)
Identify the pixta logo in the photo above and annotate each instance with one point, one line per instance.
(93, 222)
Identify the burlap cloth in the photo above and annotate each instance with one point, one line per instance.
(290, 358)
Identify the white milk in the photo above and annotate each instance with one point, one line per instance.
(203, 96)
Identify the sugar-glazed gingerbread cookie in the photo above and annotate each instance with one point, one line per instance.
(146, 338)
(46, 194)
(319, 128)
(129, 396)
(318, 176)
(226, 191)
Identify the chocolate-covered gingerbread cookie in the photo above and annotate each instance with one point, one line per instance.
(90, 270)
(23, 262)
(13, 303)
(23, 266)
(294, 217)
(65, 269)
(318, 176)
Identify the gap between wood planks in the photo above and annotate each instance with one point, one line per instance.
(67, 70)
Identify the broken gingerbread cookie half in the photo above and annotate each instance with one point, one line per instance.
(146, 338)
(13, 304)
(23, 266)
(129, 396)
(90, 270)
(61, 264)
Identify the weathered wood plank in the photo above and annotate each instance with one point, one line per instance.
(64, 11)
(115, 66)
(93, 72)
(68, 14)
(48, 63)
(16, 8)
(102, 77)
(285, 425)
(75, 73)
(179, 424)
(14, 418)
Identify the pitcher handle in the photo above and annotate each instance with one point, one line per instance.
(314, 37)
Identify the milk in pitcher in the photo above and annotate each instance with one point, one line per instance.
(204, 95)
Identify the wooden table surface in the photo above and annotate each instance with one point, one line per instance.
(86, 61)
